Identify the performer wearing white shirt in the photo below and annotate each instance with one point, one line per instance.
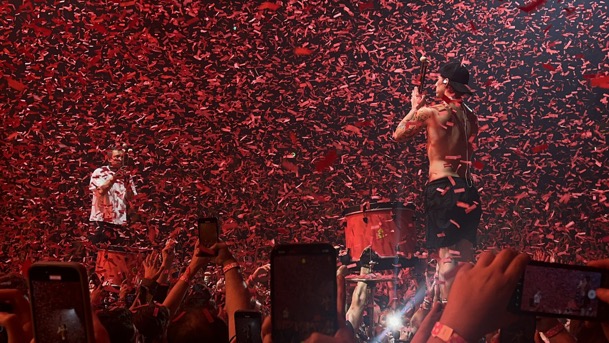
(112, 188)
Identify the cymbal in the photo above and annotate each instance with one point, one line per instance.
(371, 278)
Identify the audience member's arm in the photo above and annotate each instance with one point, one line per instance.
(237, 294)
(492, 280)
(431, 296)
(162, 282)
(261, 274)
(554, 331)
(359, 299)
(424, 329)
(147, 288)
(176, 294)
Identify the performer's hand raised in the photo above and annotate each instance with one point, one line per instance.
(120, 174)
(417, 100)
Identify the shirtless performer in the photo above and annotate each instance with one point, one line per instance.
(452, 203)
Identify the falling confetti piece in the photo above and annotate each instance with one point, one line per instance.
(540, 148)
(269, 6)
(301, 51)
(600, 81)
(532, 6)
(366, 6)
(16, 85)
(326, 161)
(548, 66)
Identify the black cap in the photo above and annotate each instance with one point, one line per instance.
(457, 75)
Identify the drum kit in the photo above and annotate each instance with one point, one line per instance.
(380, 236)
(116, 264)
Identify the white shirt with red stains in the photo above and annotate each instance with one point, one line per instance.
(112, 206)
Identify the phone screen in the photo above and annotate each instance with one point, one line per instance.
(59, 305)
(561, 291)
(8, 308)
(303, 291)
(248, 325)
(208, 231)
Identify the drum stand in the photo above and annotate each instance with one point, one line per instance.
(371, 289)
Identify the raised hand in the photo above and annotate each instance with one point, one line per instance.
(152, 266)
(417, 100)
(492, 280)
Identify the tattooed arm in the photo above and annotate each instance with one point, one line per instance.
(414, 121)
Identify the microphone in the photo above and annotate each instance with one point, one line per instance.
(422, 72)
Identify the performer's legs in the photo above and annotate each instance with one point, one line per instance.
(450, 257)
(106, 233)
(451, 227)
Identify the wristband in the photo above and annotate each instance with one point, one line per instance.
(446, 334)
(555, 330)
(230, 266)
(186, 276)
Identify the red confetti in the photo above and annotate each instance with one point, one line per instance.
(473, 26)
(366, 6)
(455, 224)
(478, 165)
(293, 138)
(532, 6)
(301, 51)
(600, 81)
(540, 148)
(327, 161)
(271, 6)
(365, 123)
(548, 66)
(191, 21)
(16, 85)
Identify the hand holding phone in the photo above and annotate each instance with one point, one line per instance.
(492, 280)
(61, 309)
(248, 326)
(209, 231)
(303, 291)
(561, 290)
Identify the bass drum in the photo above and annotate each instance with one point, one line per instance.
(387, 227)
(115, 266)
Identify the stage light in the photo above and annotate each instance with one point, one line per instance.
(394, 321)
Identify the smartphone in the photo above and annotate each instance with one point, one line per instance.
(248, 325)
(303, 291)
(8, 308)
(61, 309)
(561, 290)
(209, 231)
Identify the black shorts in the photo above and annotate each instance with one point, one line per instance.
(102, 232)
(452, 212)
